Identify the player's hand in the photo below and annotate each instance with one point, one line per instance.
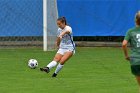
(60, 36)
(127, 58)
(57, 47)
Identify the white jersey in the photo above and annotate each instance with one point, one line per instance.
(67, 39)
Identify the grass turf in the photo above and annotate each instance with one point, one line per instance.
(90, 70)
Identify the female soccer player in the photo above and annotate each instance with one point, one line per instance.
(65, 44)
(133, 36)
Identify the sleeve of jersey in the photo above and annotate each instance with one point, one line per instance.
(69, 29)
(127, 36)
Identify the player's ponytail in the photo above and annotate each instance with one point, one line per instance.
(63, 20)
(138, 18)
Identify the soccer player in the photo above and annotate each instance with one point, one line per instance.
(133, 37)
(65, 44)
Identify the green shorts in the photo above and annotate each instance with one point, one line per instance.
(135, 69)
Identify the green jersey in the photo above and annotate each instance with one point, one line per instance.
(133, 36)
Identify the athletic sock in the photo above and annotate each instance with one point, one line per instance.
(59, 67)
(52, 64)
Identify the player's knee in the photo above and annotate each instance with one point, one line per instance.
(62, 62)
(57, 59)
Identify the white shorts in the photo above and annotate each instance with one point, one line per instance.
(63, 51)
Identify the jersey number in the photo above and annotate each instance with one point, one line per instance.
(138, 40)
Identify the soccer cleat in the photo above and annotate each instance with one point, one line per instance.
(54, 75)
(46, 69)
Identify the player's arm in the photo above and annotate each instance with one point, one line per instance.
(58, 39)
(63, 33)
(125, 50)
(58, 42)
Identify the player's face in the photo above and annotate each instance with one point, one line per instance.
(60, 24)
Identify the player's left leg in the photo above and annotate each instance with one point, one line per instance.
(138, 80)
(66, 57)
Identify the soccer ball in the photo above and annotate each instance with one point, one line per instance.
(32, 63)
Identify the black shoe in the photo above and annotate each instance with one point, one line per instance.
(46, 69)
(54, 75)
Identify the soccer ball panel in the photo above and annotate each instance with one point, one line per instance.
(32, 63)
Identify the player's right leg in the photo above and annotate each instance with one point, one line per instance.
(138, 80)
(52, 64)
(135, 69)
(66, 56)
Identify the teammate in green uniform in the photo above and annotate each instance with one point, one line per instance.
(133, 37)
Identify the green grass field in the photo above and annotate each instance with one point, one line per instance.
(90, 70)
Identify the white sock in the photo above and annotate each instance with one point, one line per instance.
(59, 67)
(52, 64)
